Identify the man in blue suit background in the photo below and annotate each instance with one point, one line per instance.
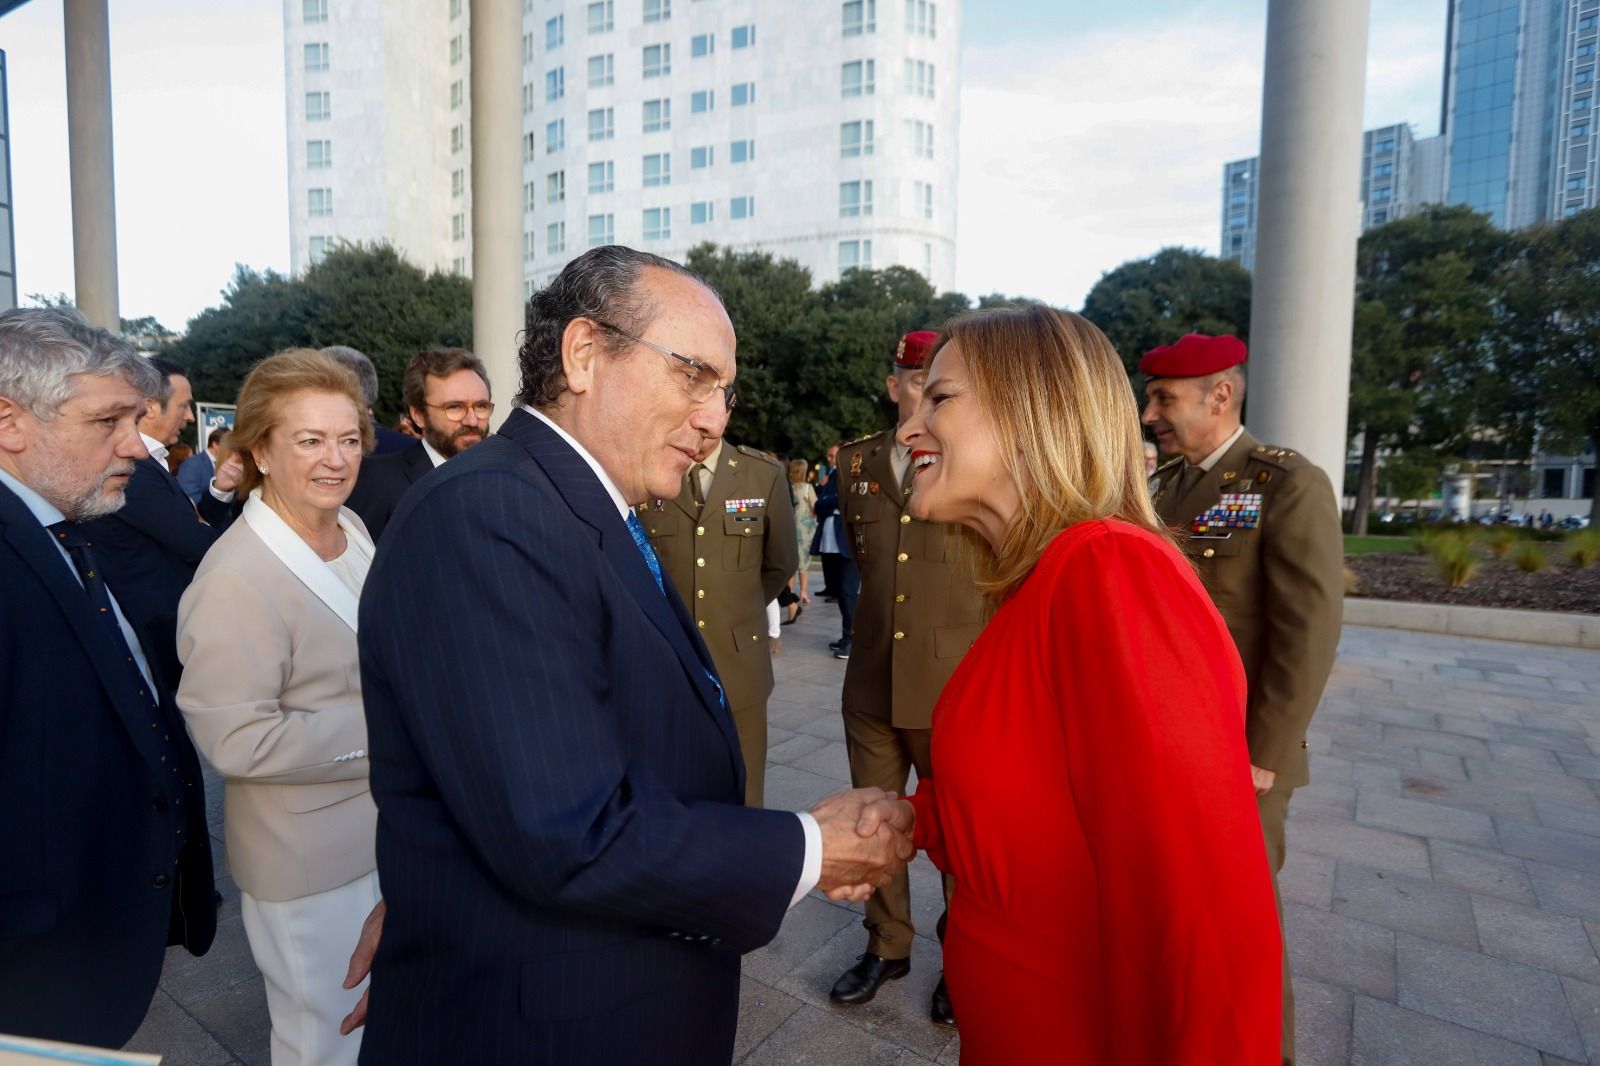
(570, 875)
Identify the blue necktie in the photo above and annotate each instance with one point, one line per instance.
(642, 542)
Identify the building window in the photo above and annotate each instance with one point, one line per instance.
(458, 95)
(1577, 183)
(860, 16)
(1383, 195)
(527, 148)
(319, 246)
(1586, 49)
(602, 177)
(855, 139)
(457, 140)
(919, 138)
(530, 100)
(921, 18)
(1572, 209)
(744, 37)
(319, 202)
(1581, 103)
(455, 49)
(529, 247)
(316, 57)
(700, 158)
(555, 84)
(742, 207)
(602, 71)
(701, 212)
(657, 170)
(657, 223)
(1383, 170)
(555, 32)
(1583, 77)
(855, 255)
(319, 154)
(458, 184)
(555, 187)
(527, 49)
(657, 10)
(315, 11)
(1379, 217)
(855, 199)
(742, 151)
(602, 16)
(555, 238)
(1383, 147)
(529, 197)
(1588, 22)
(602, 230)
(921, 199)
(555, 136)
(1579, 129)
(702, 44)
(657, 60)
(602, 124)
(919, 78)
(702, 101)
(319, 106)
(458, 227)
(857, 77)
(657, 116)
(455, 9)
(744, 93)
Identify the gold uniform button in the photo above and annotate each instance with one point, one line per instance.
(699, 594)
(699, 531)
(905, 520)
(901, 598)
(855, 518)
(699, 562)
(755, 636)
(747, 531)
(899, 635)
(902, 557)
(701, 623)
(1209, 552)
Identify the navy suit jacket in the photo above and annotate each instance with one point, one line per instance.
(195, 475)
(104, 855)
(569, 873)
(382, 481)
(386, 441)
(151, 548)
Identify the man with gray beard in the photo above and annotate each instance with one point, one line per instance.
(104, 853)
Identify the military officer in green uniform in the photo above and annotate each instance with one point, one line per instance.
(727, 541)
(1262, 527)
(918, 614)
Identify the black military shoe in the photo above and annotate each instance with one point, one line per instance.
(860, 982)
(941, 1011)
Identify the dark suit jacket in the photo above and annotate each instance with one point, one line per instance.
(386, 441)
(150, 549)
(195, 475)
(381, 483)
(103, 845)
(570, 874)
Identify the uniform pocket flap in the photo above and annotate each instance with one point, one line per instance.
(298, 799)
(744, 525)
(1211, 547)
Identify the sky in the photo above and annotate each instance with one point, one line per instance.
(1091, 133)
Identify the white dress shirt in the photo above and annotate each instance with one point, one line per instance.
(433, 455)
(157, 450)
(811, 866)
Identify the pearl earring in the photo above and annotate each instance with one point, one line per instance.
(263, 471)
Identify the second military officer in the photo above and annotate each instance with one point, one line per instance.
(727, 541)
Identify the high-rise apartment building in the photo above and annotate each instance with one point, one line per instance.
(1577, 163)
(825, 133)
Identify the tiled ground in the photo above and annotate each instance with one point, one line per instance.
(1442, 891)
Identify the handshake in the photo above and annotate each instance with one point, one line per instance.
(866, 840)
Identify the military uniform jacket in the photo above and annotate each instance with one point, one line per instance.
(1262, 528)
(728, 561)
(918, 612)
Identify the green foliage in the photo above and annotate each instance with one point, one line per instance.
(1583, 547)
(1530, 558)
(1453, 556)
(1149, 302)
(366, 297)
(1500, 542)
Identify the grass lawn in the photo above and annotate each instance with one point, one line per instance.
(1372, 545)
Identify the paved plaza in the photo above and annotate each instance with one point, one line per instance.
(1442, 891)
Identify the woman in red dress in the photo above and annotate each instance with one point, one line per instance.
(1091, 792)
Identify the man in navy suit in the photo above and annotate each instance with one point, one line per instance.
(153, 543)
(104, 854)
(195, 475)
(446, 392)
(570, 875)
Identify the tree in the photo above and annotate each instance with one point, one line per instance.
(1145, 303)
(1551, 331)
(1425, 287)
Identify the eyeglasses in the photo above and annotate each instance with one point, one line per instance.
(456, 410)
(701, 380)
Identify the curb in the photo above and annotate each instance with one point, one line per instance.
(1491, 623)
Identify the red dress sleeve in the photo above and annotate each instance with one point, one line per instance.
(927, 834)
(1151, 693)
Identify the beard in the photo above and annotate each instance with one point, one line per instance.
(57, 482)
(451, 442)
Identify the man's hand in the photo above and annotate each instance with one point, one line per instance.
(1263, 779)
(898, 814)
(228, 471)
(361, 965)
(856, 862)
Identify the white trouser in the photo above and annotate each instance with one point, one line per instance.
(302, 948)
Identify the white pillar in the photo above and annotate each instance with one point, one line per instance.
(496, 29)
(1308, 221)
(94, 205)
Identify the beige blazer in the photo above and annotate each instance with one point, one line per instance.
(271, 691)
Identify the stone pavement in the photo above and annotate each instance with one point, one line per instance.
(1442, 891)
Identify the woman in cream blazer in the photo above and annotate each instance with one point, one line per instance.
(271, 692)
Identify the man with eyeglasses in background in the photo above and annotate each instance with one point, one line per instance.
(446, 392)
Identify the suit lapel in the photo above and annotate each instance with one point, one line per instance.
(1210, 488)
(417, 463)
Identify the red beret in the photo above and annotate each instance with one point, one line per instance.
(912, 354)
(1195, 355)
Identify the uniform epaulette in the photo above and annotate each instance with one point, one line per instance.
(756, 453)
(1276, 456)
(862, 440)
(1168, 465)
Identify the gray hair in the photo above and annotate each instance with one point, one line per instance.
(602, 284)
(43, 348)
(361, 367)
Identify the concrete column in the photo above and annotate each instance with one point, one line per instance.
(94, 205)
(496, 29)
(1309, 218)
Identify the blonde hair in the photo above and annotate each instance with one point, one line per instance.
(1058, 400)
(798, 469)
(270, 385)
